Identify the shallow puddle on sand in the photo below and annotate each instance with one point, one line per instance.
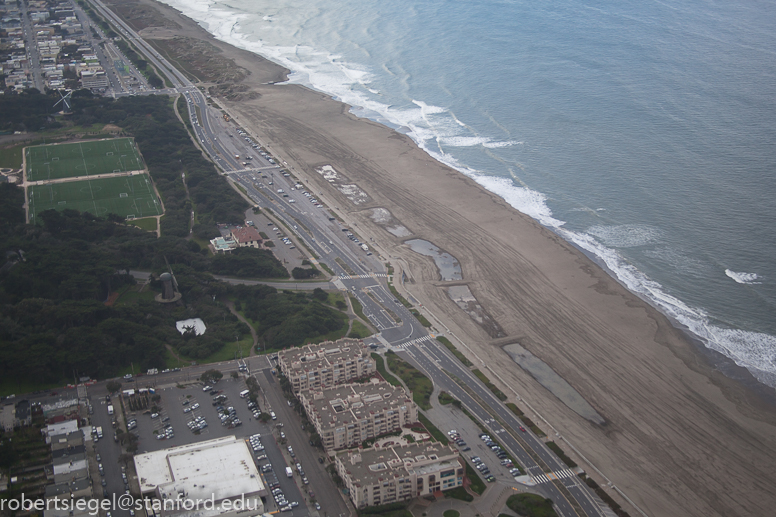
(399, 231)
(448, 266)
(547, 377)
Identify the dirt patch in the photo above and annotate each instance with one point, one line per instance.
(464, 298)
(353, 192)
(385, 218)
(112, 299)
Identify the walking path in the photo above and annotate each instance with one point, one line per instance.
(254, 335)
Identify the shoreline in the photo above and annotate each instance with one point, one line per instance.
(691, 321)
(680, 437)
(716, 360)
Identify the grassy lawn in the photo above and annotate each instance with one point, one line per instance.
(148, 224)
(171, 361)
(445, 398)
(514, 409)
(454, 350)
(396, 294)
(131, 296)
(451, 513)
(359, 330)
(11, 158)
(334, 297)
(127, 196)
(326, 268)
(562, 455)
(386, 510)
(492, 387)
(382, 371)
(422, 319)
(203, 243)
(228, 352)
(477, 485)
(420, 385)
(431, 428)
(331, 336)
(357, 309)
(392, 513)
(458, 493)
(345, 266)
(531, 505)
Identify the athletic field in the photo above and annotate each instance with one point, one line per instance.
(49, 162)
(127, 196)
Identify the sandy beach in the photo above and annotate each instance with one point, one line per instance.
(679, 437)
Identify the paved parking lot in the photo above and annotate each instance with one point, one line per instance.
(449, 418)
(179, 406)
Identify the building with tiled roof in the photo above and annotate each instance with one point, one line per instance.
(247, 236)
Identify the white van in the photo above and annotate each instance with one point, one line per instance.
(244, 394)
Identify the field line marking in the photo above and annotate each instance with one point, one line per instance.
(92, 194)
(83, 158)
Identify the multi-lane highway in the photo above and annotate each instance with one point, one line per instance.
(436, 361)
(363, 276)
(399, 329)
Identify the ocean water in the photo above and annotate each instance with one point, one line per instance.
(643, 131)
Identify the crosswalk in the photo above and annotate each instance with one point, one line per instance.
(551, 476)
(414, 342)
(370, 275)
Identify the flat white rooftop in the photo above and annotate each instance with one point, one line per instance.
(222, 468)
(196, 323)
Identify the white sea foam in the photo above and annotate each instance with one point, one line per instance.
(743, 278)
(496, 145)
(753, 350)
(528, 201)
(680, 261)
(434, 129)
(464, 141)
(626, 235)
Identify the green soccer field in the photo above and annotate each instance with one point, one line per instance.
(127, 196)
(48, 162)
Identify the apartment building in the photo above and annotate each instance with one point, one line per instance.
(389, 475)
(345, 416)
(325, 364)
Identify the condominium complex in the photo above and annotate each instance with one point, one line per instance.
(325, 364)
(382, 476)
(345, 416)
